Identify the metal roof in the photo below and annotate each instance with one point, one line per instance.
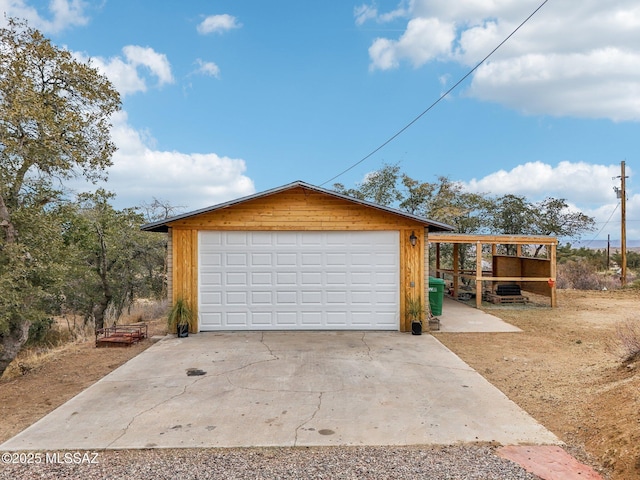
(162, 225)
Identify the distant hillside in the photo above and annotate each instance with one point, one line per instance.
(602, 244)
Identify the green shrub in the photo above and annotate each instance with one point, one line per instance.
(40, 330)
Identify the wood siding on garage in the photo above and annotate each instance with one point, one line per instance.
(185, 269)
(303, 210)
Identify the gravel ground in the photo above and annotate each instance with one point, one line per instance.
(451, 462)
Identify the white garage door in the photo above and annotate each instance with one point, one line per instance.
(298, 281)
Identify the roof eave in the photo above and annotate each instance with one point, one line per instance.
(163, 225)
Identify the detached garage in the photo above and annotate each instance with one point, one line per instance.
(297, 257)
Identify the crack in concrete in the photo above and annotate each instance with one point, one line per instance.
(268, 347)
(139, 414)
(295, 440)
(196, 380)
(366, 345)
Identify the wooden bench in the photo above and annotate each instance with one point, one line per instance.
(121, 335)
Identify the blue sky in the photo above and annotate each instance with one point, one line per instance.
(226, 98)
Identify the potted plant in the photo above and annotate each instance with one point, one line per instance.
(180, 317)
(415, 311)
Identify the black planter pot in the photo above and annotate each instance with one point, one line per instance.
(416, 328)
(183, 330)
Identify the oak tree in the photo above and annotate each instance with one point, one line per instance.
(55, 116)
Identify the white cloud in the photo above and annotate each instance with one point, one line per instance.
(570, 59)
(578, 182)
(218, 24)
(156, 62)
(140, 172)
(125, 73)
(64, 14)
(364, 13)
(586, 187)
(387, 53)
(208, 68)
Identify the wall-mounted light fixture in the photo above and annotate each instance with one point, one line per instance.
(413, 239)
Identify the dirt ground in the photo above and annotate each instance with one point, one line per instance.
(560, 369)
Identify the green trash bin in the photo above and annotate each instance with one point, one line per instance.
(436, 295)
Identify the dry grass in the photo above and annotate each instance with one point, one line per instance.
(70, 330)
(625, 343)
(30, 359)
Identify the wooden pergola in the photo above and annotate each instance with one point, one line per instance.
(536, 274)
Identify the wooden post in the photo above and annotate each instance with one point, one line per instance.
(478, 274)
(456, 268)
(554, 301)
(623, 223)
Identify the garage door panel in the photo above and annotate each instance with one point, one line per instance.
(363, 259)
(361, 278)
(211, 242)
(336, 278)
(360, 318)
(362, 298)
(285, 297)
(286, 319)
(286, 260)
(212, 280)
(313, 259)
(385, 260)
(312, 238)
(237, 278)
(384, 298)
(210, 319)
(262, 319)
(311, 319)
(261, 278)
(237, 319)
(385, 279)
(286, 278)
(337, 297)
(236, 298)
(286, 239)
(261, 260)
(236, 259)
(298, 280)
(261, 239)
(213, 299)
(337, 318)
(336, 259)
(235, 238)
(310, 279)
(311, 297)
(261, 298)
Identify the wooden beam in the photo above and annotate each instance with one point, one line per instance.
(439, 237)
(478, 274)
(456, 268)
(554, 299)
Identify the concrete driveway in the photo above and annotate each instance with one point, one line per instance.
(286, 389)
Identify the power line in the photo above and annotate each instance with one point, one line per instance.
(605, 224)
(397, 134)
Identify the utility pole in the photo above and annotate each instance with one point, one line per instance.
(622, 195)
